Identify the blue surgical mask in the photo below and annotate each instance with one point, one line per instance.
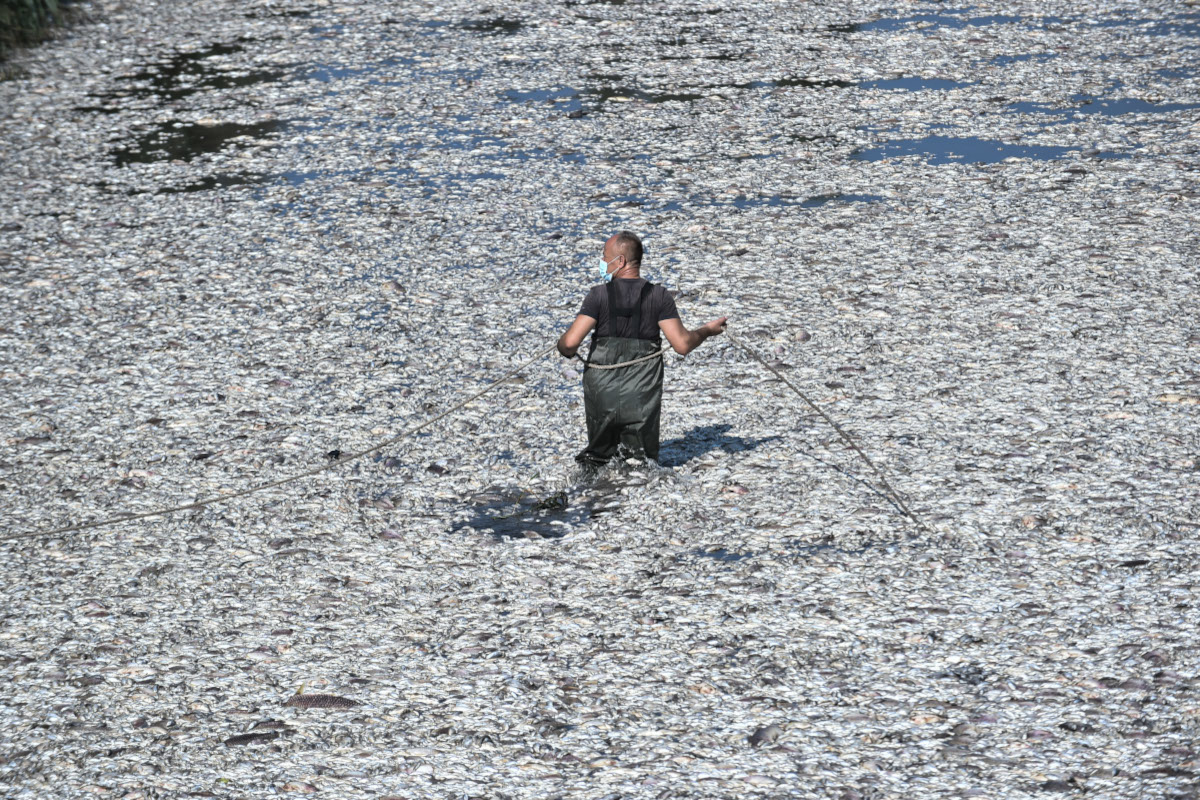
(605, 275)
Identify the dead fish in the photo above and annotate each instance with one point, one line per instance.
(269, 725)
(250, 738)
(765, 735)
(321, 701)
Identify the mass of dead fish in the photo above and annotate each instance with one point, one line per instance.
(239, 241)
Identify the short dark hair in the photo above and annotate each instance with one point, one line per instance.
(630, 246)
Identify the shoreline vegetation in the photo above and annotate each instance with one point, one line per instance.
(24, 23)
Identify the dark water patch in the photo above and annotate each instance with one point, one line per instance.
(915, 84)
(172, 141)
(1088, 105)
(1177, 72)
(185, 74)
(969, 150)
(495, 26)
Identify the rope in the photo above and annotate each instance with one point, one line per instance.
(845, 436)
(223, 498)
(409, 432)
(590, 365)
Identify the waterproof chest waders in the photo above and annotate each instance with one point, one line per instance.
(622, 405)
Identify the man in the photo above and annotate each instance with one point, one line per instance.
(623, 404)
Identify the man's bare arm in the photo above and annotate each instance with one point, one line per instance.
(685, 341)
(569, 342)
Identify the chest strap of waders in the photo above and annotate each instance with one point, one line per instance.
(614, 311)
(634, 311)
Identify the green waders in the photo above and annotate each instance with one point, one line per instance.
(622, 405)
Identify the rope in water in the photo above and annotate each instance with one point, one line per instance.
(892, 493)
(291, 478)
(83, 526)
(845, 436)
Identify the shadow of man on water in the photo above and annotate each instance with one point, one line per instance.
(704, 439)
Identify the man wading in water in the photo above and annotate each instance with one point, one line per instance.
(623, 404)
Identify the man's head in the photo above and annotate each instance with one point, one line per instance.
(623, 250)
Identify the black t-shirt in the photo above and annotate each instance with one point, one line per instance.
(659, 305)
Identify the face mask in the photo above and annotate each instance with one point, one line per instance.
(605, 275)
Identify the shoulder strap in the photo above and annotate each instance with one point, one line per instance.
(634, 311)
(611, 286)
(637, 310)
